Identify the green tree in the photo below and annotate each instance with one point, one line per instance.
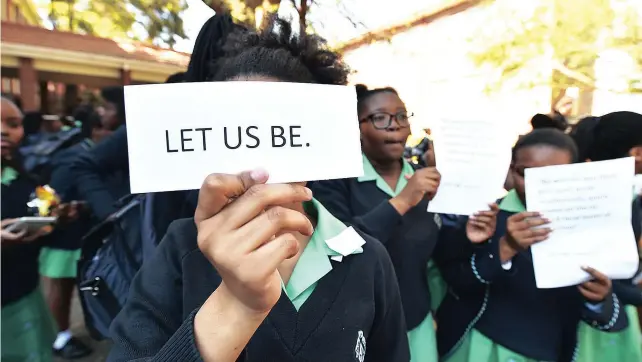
(248, 12)
(159, 20)
(567, 36)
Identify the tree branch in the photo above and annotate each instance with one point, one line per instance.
(384, 34)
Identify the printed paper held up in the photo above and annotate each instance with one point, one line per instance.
(473, 157)
(589, 205)
(180, 133)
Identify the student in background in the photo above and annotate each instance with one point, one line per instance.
(494, 311)
(92, 168)
(389, 202)
(325, 310)
(58, 264)
(27, 327)
(612, 136)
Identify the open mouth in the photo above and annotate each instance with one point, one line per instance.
(394, 142)
(5, 143)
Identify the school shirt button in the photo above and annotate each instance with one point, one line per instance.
(490, 256)
(594, 323)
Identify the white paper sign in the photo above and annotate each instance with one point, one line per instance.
(180, 133)
(473, 158)
(589, 205)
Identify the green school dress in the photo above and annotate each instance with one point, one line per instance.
(476, 347)
(623, 346)
(28, 330)
(58, 263)
(422, 339)
(438, 287)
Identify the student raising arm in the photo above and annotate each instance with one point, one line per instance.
(389, 202)
(494, 311)
(325, 310)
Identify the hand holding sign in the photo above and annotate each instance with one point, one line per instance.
(481, 225)
(596, 289)
(245, 234)
(422, 183)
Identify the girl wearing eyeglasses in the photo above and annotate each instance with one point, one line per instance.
(389, 202)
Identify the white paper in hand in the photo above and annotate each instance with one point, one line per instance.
(180, 133)
(473, 159)
(589, 205)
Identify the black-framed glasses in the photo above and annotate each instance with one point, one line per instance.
(383, 120)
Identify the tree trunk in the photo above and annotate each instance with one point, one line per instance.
(303, 11)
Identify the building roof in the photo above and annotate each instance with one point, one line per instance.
(40, 37)
(448, 8)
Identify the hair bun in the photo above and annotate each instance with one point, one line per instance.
(362, 89)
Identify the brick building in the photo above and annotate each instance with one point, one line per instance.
(49, 69)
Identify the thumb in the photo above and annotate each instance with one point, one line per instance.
(219, 189)
(408, 177)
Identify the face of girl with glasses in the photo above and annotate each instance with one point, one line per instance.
(385, 127)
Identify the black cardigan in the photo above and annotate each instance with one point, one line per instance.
(359, 295)
(92, 169)
(409, 239)
(506, 306)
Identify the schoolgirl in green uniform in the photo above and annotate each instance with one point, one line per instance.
(493, 311)
(27, 327)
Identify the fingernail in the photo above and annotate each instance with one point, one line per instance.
(259, 175)
(308, 191)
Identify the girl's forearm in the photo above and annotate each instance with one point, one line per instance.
(223, 326)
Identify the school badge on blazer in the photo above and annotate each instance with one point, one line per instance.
(360, 348)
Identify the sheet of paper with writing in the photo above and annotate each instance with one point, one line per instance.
(589, 205)
(473, 158)
(180, 133)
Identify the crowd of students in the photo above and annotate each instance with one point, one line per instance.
(242, 270)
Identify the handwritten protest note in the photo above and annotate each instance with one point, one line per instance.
(473, 158)
(179, 133)
(589, 206)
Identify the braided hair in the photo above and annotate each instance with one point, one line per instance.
(610, 136)
(276, 51)
(208, 47)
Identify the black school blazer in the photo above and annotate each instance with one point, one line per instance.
(358, 299)
(481, 296)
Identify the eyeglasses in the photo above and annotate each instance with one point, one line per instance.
(383, 120)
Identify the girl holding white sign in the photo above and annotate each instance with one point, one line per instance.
(494, 311)
(318, 304)
(603, 138)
